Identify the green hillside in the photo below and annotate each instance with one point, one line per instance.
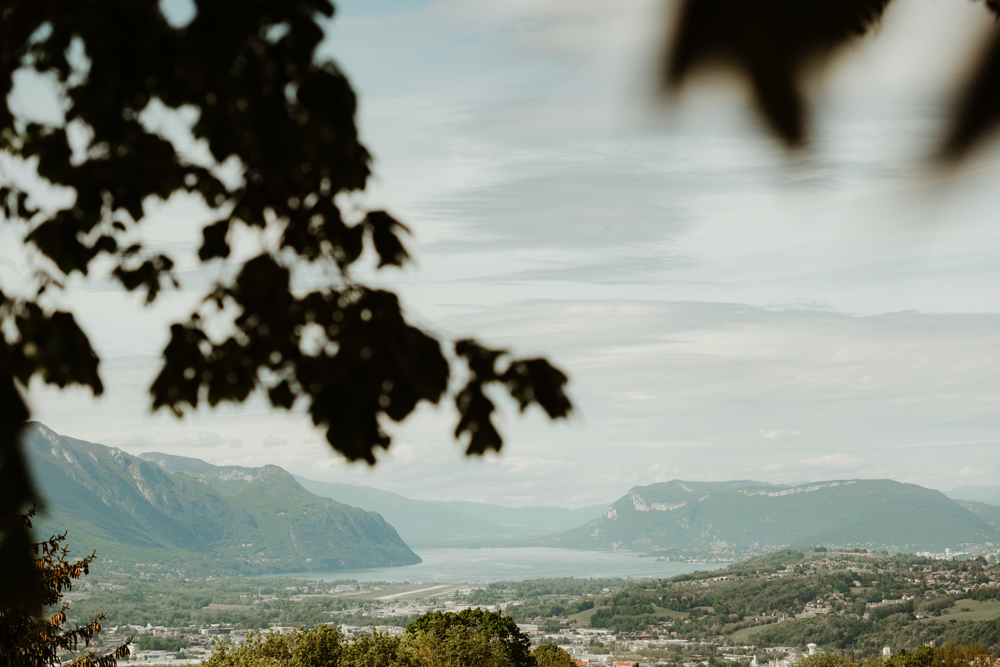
(737, 519)
(988, 513)
(455, 524)
(140, 516)
(840, 601)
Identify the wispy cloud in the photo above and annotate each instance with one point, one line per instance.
(777, 433)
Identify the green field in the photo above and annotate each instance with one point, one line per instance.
(669, 613)
(743, 636)
(582, 619)
(976, 611)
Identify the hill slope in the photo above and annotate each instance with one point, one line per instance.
(142, 516)
(988, 513)
(743, 518)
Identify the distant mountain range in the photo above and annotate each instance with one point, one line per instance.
(424, 523)
(741, 518)
(160, 513)
(979, 494)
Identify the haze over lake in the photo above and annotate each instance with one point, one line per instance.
(514, 564)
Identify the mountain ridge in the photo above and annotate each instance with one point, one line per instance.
(133, 511)
(734, 520)
(432, 523)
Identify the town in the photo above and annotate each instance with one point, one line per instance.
(772, 609)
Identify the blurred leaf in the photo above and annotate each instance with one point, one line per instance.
(537, 381)
(978, 110)
(283, 120)
(384, 229)
(214, 244)
(183, 371)
(476, 420)
(19, 582)
(150, 274)
(771, 43)
(54, 347)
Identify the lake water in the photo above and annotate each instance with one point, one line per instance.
(514, 564)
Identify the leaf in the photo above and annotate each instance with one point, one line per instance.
(475, 420)
(482, 361)
(281, 395)
(183, 370)
(57, 239)
(770, 42)
(149, 274)
(214, 243)
(19, 582)
(54, 347)
(978, 111)
(537, 381)
(385, 238)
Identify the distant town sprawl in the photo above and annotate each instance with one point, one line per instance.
(766, 610)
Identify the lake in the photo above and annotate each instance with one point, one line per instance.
(514, 564)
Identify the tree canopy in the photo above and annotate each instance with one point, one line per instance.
(774, 43)
(491, 625)
(477, 639)
(282, 147)
(550, 655)
(30, 639)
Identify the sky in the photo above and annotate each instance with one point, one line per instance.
(724, 309)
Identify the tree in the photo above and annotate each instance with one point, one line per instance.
(442, 640)
(492, 626)
(550, 655)
(282, 148)
(773, 43)
(30, 639)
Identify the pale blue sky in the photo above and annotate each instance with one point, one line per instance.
(724, 310)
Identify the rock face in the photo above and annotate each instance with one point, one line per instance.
(150, 512)
(744, 517)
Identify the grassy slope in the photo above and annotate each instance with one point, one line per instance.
(968, 610)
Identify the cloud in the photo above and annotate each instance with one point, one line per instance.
(165, 443)
(817, 468)
(778, 433)
(723, 311)
(832, 461)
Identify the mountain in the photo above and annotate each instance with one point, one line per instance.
(526, 519)
(988, 513)
(979, 494)
(455, 524)
(140, 512)
(744, 518)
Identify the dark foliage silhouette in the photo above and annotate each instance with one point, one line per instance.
(774, 44)
(344, 353)
(30, 639)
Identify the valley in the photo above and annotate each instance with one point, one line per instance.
(160, 516)
(772, 606)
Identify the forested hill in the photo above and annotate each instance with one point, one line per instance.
(736, 519)
(841, 601)
(143, 517)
